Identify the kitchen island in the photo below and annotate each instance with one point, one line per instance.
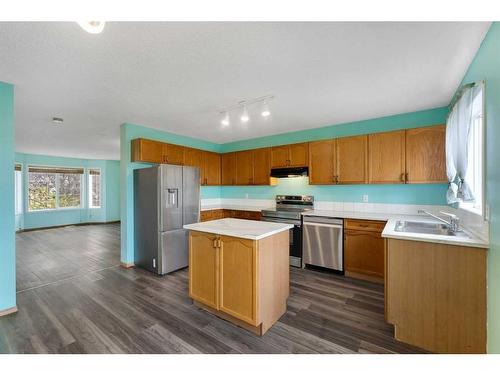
(239, 270)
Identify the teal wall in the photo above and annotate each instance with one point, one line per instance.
(109, 210)
(409, 194)
(486, 66)
(127, 133)
(7, 229)
(381, 124)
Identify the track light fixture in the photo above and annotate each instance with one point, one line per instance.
(225, 119)
(243, 107)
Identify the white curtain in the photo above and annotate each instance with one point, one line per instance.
(458, 127)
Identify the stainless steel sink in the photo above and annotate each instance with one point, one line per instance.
(427, 228)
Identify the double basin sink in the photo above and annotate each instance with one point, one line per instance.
(422, 227)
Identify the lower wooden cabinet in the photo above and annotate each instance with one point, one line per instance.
(241, 280)
(204, 269)
(435, 295)
(237, 260)
(364, 249)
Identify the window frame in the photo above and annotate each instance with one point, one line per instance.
(89, 189)
(469, 206)
(57, 183)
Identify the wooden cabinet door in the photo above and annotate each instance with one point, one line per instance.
(321, 162)
(352, 160)
(192, 158)
(261, 166)
(280, 156)
(364, 253)
(386, 158)
(148, 151)
(204, 268)
(244, 168)
(299, 155)
(228, 169)
(238, 284)
(425, 155)
(173, 154)
(210, 168)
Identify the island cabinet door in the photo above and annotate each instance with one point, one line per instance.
(204, 268)
(238, 287)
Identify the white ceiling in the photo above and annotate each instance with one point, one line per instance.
(176, 76)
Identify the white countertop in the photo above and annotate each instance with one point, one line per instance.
(391, 219)
(249, 229)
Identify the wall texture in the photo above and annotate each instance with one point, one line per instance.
(7, 229)
(109, 210)
(486, 66)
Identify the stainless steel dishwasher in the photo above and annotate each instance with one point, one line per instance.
(322, 240)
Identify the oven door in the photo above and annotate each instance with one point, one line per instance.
(295, 238)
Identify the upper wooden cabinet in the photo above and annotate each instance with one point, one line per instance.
(261, 166)
(228, 168)
(244, 167)
(386, 158)
(322, 162)
(173, 154)
(293, 155)
(351, 160)
(210, 168)
(425, 155)
(145, 150)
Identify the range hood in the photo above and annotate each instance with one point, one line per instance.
(289, 172)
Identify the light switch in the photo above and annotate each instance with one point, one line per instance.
(365, 198)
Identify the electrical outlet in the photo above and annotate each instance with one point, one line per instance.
(365, 198)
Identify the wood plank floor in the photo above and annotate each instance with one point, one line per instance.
(74, 298)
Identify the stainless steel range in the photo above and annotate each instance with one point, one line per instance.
(288, 210)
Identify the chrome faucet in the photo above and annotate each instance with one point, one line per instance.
(453, 224)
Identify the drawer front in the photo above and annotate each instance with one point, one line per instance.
(365, 225)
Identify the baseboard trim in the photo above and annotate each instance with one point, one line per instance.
(68, 225)
(127, 265)
(12, 310)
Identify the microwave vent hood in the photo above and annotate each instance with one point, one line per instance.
(289, 172)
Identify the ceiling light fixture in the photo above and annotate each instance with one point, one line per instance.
(243, 106)
(92, 27)
(57, 120)
(225, 119)
(265, 109)
(244, 114)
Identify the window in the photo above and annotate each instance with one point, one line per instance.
(475, 156)
(54, 188)
(18, 182)
(94, 188)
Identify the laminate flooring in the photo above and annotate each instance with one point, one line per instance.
(74, 298)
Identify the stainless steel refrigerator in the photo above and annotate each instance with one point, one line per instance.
(165, 198)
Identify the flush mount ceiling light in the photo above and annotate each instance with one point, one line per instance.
(92, 27)
(243, 107)
(57, 120)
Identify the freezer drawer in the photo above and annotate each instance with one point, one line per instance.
(173, 251)
(323, 243)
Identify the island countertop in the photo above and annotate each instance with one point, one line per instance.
(249, 229)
